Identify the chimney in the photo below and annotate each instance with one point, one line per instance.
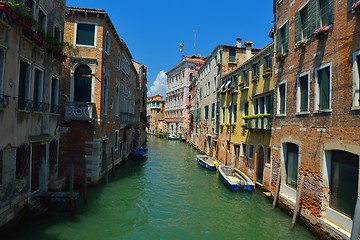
(248, 45)
(238, 42)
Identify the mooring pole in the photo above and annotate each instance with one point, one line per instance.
(255, 169)
(72, 197)
(277, 188)
(112, 161)
(297, 205)
(85, 184)
(355, 231)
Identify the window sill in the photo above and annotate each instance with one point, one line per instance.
(89, 46)
(355, 108)
(244, 88)
(302, 113)
(323, 112)
(282, 115)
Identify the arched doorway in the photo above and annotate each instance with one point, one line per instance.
(260, 165)
(82, 84)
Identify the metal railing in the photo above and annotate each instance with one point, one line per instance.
(79, 111)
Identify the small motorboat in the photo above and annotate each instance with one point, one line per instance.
(207, 162)
(234, 179)
(173, 136)
(139, 152)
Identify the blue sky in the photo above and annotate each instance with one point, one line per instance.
(154, 29)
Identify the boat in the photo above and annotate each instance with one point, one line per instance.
(173, 136)
(234, 179)
(207, 162)
(139, 152)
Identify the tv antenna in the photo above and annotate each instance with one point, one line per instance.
(182, 48)
(194, 31)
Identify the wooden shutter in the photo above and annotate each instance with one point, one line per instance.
(314, 15)
(324, 86)
(286, 40)
(298, 27)
(350, 3)
(331, 12)
(304, 93)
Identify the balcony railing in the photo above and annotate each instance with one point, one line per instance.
(80, 111)
(258, 122)
(40, 107)
(4, 101)
(25, 104)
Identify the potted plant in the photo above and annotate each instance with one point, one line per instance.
(280, 56)
(356, 7)
(321, 32)
(299, 44)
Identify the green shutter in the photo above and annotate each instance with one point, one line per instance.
(331, 12)
(350, 3)
(298, 27)
(304, 93)
(314, 15)
(278, 41)
(286, 40)
(324, 85)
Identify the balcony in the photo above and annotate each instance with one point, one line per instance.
(258, 122)
(4, 101)
(79, 111)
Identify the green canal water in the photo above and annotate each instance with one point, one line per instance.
(164, 196)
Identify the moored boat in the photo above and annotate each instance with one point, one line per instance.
(173, 136)
(207, 162)
(234, 179)
(139, 152)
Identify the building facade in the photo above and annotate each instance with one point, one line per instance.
(177, 95)
(316, 123)
(155, 113)
(30, 74)
(205, 115)
(246, 101)
(100, 90)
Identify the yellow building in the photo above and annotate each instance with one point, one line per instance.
(246, 102)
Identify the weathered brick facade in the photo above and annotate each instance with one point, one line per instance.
(325, 123)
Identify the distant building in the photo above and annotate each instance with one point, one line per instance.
(155, 114)
(177, 94)
(316, 127)
(102, 96)
(30, 74)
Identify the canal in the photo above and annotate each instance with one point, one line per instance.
(165, 196)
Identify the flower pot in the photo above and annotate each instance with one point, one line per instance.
(321, 34)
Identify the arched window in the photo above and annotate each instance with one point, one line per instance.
(105, 96)
(82, 88)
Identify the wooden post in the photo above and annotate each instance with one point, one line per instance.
(355, 231)
(112, 161)
(72, 198)
(277, 188)
(255, 168)
(298, 194)
(85, 184)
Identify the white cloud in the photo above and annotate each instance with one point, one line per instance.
(159, 85)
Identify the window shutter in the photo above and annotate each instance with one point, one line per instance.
(286, 40)
(298, 27)
(304, 93)
(350, 3)
(314, 15)
(278, 42)
(331, 12)
(324, 82)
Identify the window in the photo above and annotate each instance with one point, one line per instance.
(116, 140)
(326, 11)
(323, 88)
(282, 39)
(302, 25)
(206, 112)
(117, 99)
(57, 33)
(356, 80)
(344, 179)
(118, 61)
(245, 78)
(214, 84)
(350, 3)
(243, 152)
(38, 91)
(246, 108)
(22, 161)
(281, 99)
(107, 43)
(42, 23)
(255, 70)
(267, 62)
(302, 93)
(232, 55)
(291, 164)
(31, 5)
(85, 34)
(105, 96)
(55, 89)
(125, 66)
(213, 110)
(234, 118)
(268, 155)
(251, 151)
(24, 86)
(83, 83)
